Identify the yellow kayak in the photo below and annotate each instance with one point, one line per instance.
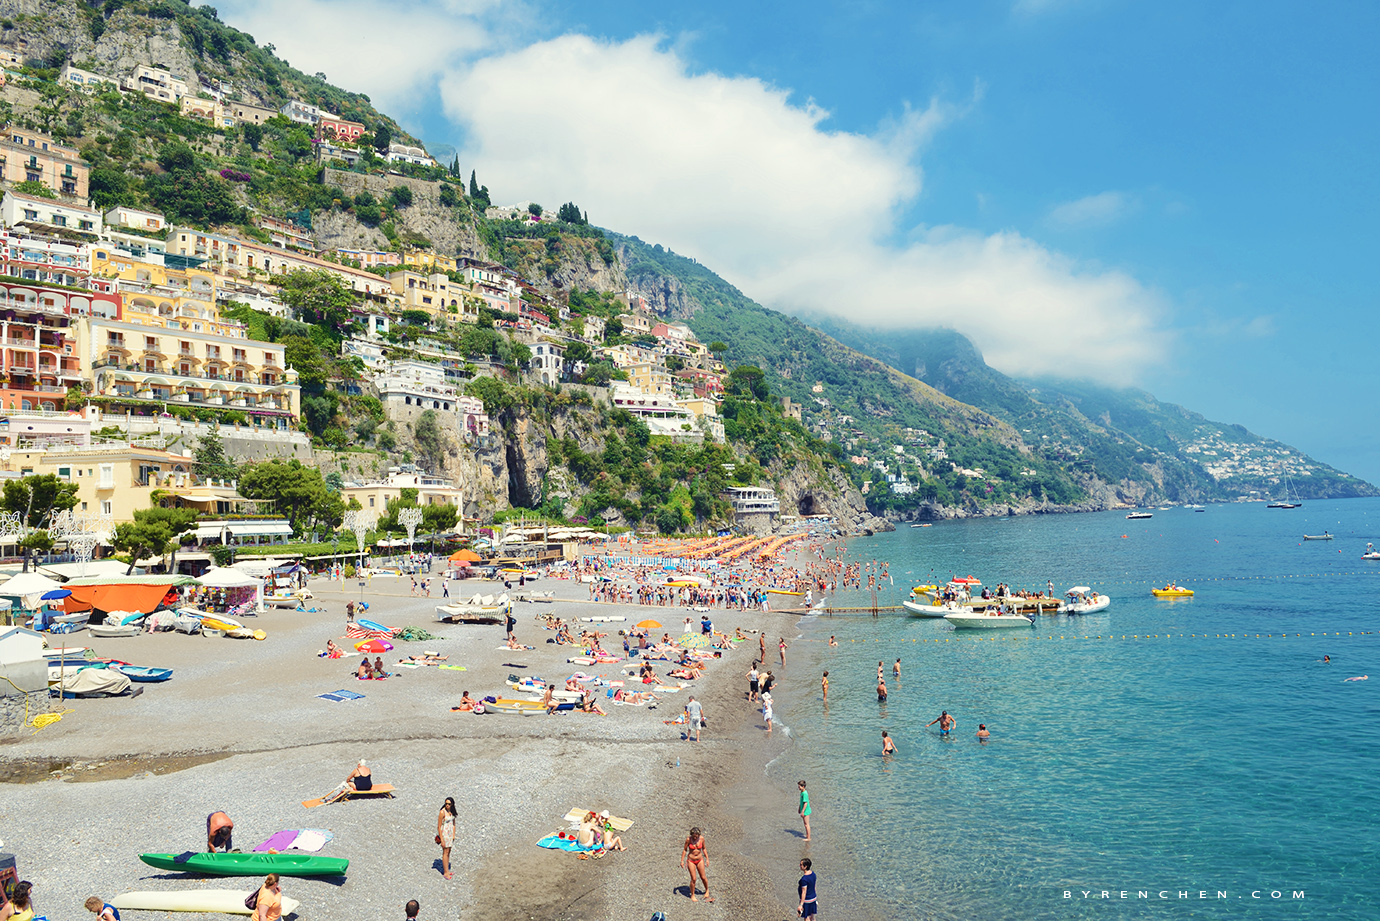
(782, 591)
(1172, 591)
(683, 583)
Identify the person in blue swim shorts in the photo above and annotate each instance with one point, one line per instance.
(945, 721)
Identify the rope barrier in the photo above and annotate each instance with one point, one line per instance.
(1024, 636)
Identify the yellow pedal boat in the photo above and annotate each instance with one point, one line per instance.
(1172, 591)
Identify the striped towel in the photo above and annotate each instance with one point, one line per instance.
(356, 632)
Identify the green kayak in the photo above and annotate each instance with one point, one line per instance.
(249, 864)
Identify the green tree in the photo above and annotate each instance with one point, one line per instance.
(318, 297)
(383, 136)
(253, 136)
(431, 441)
(299, 491)
(400, 196)
(36, 498)
(211, 460)
(176, 521)
(34, 187)
(534, 209)
(570, 213)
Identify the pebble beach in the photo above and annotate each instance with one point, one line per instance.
(240, 728)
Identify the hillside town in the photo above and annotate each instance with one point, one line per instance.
(120, 351)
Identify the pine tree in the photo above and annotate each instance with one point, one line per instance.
(211, 460)
(474, 185)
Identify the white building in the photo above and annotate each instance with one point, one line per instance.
(85, 80)
(404, 153)
(156, 83)
(548, 360)
(416, 383)
(135, 219)
(367, 351)
(18, 209)
(302, 113)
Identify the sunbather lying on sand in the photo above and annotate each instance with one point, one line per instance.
(514, 644)
(634, 697)
(424, 659)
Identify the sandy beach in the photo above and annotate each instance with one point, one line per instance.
(240, 728)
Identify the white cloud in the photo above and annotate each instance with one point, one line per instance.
(1093, 211)
(384, 49)
(730, 171)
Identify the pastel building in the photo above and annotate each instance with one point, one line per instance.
(48, 215)
(26, 156)
(156, 83)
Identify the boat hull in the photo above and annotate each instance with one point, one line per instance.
(1087, 607)
(249, 864)
(931, 611)
(1172, 592)
(219, 901)
(989, 622)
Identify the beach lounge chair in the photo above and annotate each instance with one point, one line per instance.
(339, 795)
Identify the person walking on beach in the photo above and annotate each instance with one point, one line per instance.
(809, 907)
(783, 651)
(888, 746)
(510, 622)
(804, 808)
(945, 721)
(445, 834)
(752, 678)
(824, 686)
(766, 711)
(768, 683)
(694, 856)
(762, 642)
(694, 712)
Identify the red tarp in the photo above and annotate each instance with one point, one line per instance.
(133, 597)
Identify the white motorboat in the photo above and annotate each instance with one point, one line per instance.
(1371, 553)
(1134, 516)
(988, 620)
(935, 611)
(1323, 536)
(1083, 600)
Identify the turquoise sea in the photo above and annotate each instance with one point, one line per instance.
(1160, 747)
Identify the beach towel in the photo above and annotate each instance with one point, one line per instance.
(557, 843)
(461, 668)
(311, 839)
(340, 695)
(577, 815)
(278, 842)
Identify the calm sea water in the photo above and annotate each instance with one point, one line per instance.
(1148, 760)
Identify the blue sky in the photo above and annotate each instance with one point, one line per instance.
(1178, 196)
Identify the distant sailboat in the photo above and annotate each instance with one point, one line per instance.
(1288, 488)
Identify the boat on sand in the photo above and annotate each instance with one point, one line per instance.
(249, 864)
(217, 901)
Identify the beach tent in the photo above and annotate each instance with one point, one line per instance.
(141, 597)
(224, 577)
(29, 587)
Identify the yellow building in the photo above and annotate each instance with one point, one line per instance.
(425, 260)
(169, 344)
(430, 491)
(433, 293)
(112, 479)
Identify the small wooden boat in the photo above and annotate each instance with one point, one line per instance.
(106, 631)
(522, 707)
(1323, 536)
(1172, 591)
(142, 673)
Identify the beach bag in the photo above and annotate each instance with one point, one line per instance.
(251, 901)
(478, 708)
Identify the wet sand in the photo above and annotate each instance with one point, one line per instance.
(240, 728)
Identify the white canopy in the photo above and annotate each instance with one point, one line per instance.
(1079, 590)
(29, 586)
(227, 578)
(92, 568)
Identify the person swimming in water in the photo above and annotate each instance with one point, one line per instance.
(982, 733)
(881, 690)
(945, 721)
(888, 746)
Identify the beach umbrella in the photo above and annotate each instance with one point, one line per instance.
(649, 625)
(468, 556)
(55, 594)
(695, 640)
(375, 646)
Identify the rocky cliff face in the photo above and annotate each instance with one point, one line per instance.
(664, 293)
(807, 489)
(449, 229)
